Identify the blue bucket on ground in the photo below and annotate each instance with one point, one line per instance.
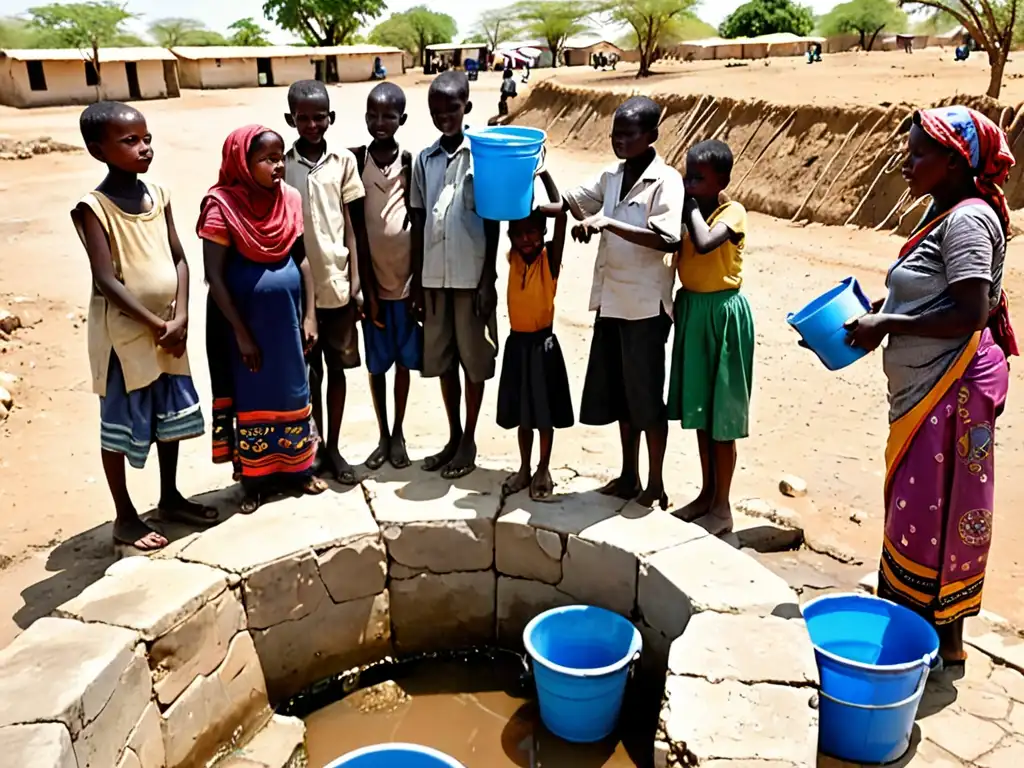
(873, 658)
(505, 160)
(396, 756)
(581, 662)
(821, 323)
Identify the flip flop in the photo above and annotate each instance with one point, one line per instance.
(376, 459)
(250, 504)
(454, 473)
(348, 477)
(200, 518)
(314, 486)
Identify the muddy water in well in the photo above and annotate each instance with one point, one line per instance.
(479, 710)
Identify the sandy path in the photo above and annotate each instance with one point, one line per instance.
(827, 428)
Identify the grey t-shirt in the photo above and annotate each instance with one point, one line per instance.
(968, 244)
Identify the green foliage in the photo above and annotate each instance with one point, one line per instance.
(766, 17)
(494, 28)
(173, 32)
(88, 26)
(323, 22)
(15, 33)
(686, 26)
(247, 32)
(935, 23)
(555, 21)
(654, 22)
(413, 30)
(866, 18)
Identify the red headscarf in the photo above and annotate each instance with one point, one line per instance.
(263, 224)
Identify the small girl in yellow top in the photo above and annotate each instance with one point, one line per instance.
(138, 321)
(534, 390)
(713, 353)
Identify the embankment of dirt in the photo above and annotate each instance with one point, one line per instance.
(834, 165)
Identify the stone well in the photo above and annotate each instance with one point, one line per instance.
(174, 660)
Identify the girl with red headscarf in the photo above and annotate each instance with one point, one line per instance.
(949, 337)
(260, 318)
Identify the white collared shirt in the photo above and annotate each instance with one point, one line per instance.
(454, 244)
(632, 282)
(326, 188)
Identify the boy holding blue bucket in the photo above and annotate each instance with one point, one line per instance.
(713, 353)
(454, 274)
(637, 208)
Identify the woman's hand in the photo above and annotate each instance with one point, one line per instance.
(867, 332)
(251, 356)
(876, 306)
(310, 333)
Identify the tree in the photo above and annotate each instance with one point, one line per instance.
(323, 22)
(248, 32)
(170, 33)
(865, 17)
(16, 33)
(990, 23)
(494, 28)
(766, 17)
(555, 21)
(414, 30)
(651, 22)
(86, 26)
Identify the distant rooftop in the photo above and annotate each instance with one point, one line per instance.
(276, 51)
(75, 54)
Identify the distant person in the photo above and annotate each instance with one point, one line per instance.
(713, 353)
(508, 91)
(533, 394)
(949, 338)
(526, 71)
(379, 71)
(613, 59)
(454, 287)
(329, 184)
(906, 42)
(391, 335)
(637, 208)
(814, 53)
(962, 53)
(260, 320)
(138, 322)
(472, 69)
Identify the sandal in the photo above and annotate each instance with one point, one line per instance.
(250, 503)
(188, 512)
(314, 486)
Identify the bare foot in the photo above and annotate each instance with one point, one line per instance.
(653, 496)
(623, 487)
(399, 454)
(250, 503)
(542, 486)
(176, 508)
(462, 463)
(695, 509)
(380, 454)
(135, 533)
(517, 482)
(718, 521)
(442, 459)
(314, 486)
(342, 470)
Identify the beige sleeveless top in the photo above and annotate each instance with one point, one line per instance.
(141, 253)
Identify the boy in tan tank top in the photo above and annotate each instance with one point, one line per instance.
(138, 321)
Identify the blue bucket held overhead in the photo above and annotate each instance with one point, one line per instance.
(873, 659)
(822, 323)
(396, 756)
(505, 160)
(581, 662)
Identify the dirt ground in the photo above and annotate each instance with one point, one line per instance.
(827, 428)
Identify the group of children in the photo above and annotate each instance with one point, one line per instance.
(303, 245)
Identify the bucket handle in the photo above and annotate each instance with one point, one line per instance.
(918, 692)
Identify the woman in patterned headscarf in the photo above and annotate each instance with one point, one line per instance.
(946, 361)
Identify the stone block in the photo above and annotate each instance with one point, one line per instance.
(149, 596)
(518, 601)
(356, 569)
(526, 552)
(283, 590)
(734, 721)
(214, 709)
(707, 575)
(575, 507)
(720, 646)
(962, 734)
(147, 741)
(642, 531)
(310, 523)
(102, 740)
(600, 574)
(399, 571)
(279, 744)
(129, 760)
(654, 654)
(332, 639)
(441, 611)
(195, 647)
(442, 546)
(38, 745)
(60, 670)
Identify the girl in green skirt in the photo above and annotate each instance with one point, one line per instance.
(713, 352)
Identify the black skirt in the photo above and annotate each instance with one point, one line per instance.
(534, 387)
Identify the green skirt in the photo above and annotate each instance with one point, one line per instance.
(712, 364)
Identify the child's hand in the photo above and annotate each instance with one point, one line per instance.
(485, 300)
(251, 356)
(174, 334)
(373, 311)
(417, 303)
(310, 333)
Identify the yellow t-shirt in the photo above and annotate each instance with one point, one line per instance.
(722, 269)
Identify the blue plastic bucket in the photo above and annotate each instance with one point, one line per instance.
(821, 323)
(873, 658)
(396, 756)
(581, 662)
(505, 159)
